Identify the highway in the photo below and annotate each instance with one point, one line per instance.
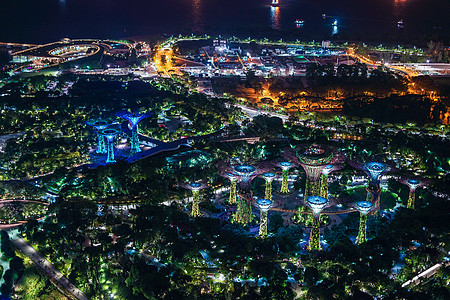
(47, 268)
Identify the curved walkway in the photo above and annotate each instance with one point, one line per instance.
(46, 267)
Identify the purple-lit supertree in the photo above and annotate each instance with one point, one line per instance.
(285, 166)
(313, 159)
(99, 124)
(195, 187)
(413, 184)
(268, 177)
(245, 174)
(324, 178)
(317, 204)
(264, 206)
(110, 133)
(375, 169)
(363, 207)
(134, 118)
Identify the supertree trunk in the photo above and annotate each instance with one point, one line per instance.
(110, 158)
(195, 212)
(243, 212)
(314, 239)
(101, 149)
(412, 199)
(373, 196)
(233, 186)
(284, 182)
(135, 140)
(324, 186)
(362, 233)
(312, 188)
(263, 224)
(268, 191)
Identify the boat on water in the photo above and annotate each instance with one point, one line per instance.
(400, 24)
(299, 23)
(275, 3)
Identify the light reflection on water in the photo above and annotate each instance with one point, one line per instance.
(275, 17)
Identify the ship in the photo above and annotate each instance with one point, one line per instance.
(275, 3)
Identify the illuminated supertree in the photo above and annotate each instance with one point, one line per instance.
(285, 166)
(324, 178)
(195, 187)
(313, 159)
(317, 204)
(363, 207)
(375, 170)
(264, 206)
(413, 184)
(233, 186)
(99, 124)
(134, 119)
(268, 177)
(245, 175)
(110, 133)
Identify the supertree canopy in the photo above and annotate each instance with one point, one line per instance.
(99, 124)
(375, 169)
(110, 133)
(245, 173)
(195, 187)
(264, 206)
(268, 177)
(313, 159)
(134, 118)
(317, 204)
(285, 166)
(413, 184)
(363, 207)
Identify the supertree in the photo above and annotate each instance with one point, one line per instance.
(264, 206)
(313, 159)
(317, 204)
(134, 118)
(324, 178)
(195, 187)
(268, 177)
(110, 133)
(413, 184)
(245, 174)
(233, 186)
(374, 169)
(99, 124)
(285, 166)
(363, 207)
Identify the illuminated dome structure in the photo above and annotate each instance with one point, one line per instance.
(364, 208)
(317, 204)
(110, 133)
(314, 159)
(264, 206)
(268, 177)
(133, 118)
(374, 169)
(195, 187)
(413, 184)
(98, 125)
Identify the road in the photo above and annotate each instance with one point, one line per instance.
(252, 112)
(46, 267)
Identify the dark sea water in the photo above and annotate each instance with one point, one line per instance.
(49, 20)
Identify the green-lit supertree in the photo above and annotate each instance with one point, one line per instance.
(285, 166)
(363, 207)
(317, 204)
(264, 206)
(233, 187)
(413, 184)
(195, 187)
(324, 177)
(268, 177)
